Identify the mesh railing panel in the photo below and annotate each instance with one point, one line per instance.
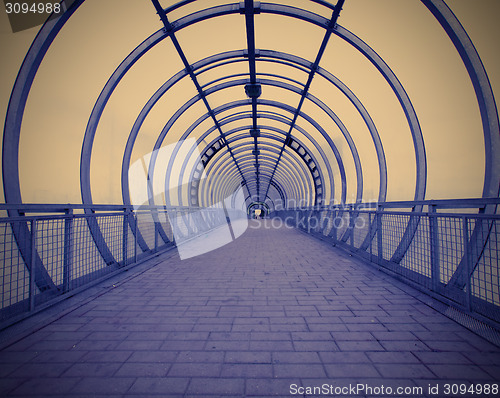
(50, 247)
(485, 280)
(85, 257)
(393, 228)
(73, 250)
(146, 226)
(361, 229)
(451, 246)
(418, 256)
(14, 275)
(429, 249)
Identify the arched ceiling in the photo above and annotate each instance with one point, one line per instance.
(302, 102)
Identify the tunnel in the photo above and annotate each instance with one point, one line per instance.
(249, 198)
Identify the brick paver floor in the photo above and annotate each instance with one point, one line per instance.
(268, 313)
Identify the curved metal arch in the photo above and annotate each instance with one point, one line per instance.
(309, 119)
(152, 101)
(269, 159)
(411, 116)
(196, 168)
(225, 107)
(280, 192)
(283, 198)
(294, 185)
(267, 162)
(226, 190)
(245, 75)
(338, 122)
(12, 131)
(334, 117)
(276, 117)
(182, 74)
(195, 99)
(233, 176)
(263, 134)
(316, 177)
(323, 133)
(263, 145)
(305, 66)
(200, 139)
(289, 185)
(482, 88)
(386, 72)
(185, 2)
(367, 51)
(278, 188)
(491, 131)
(223, 165)
(289, 178)
(237, 149)
(308, 136)
(467, 58)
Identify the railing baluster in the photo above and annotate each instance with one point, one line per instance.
(68, 231)
(351, 225)
(125, 237)
(32, 287)
(156, 236)
(135, 237)
(370, 234)
(468, 276)
(378, 215)
(434, 248)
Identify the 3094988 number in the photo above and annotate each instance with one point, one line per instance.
(36, 8)
(471, 389)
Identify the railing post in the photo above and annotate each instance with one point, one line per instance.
(126, 214)
(68, 232)
(32, 287)
(156, 236)
(351, 225)
(309, 217)
(134, 216)
(467, 270)
(434, 243)
(370, 234)
(323, 220)
(334, 225)
(378, 216)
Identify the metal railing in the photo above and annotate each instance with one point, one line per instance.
(449, 248)
(49, 251)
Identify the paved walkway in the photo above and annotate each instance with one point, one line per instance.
(268, 313)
